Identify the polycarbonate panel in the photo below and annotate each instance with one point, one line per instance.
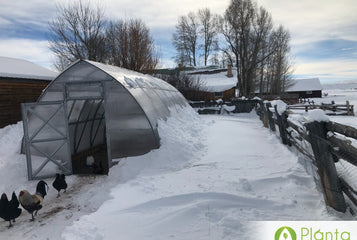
(82, 71)
(130, 131)
(149, 105)
(45, 135)
(46, 122)
(54, 96)
(168, 98)
(164, 106)
(91, 90)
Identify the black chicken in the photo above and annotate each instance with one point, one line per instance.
(14, 202)
(9, 211)
(33, 203)
(60, 183)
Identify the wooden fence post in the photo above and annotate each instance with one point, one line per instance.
(284, 117)
(260, 110)
(265, 116)
(282, 126)
(348, 108)
(270, 117)
(334, 198)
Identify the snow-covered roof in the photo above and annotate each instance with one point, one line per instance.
(216, 82)
(131, 78)
(311, 84)
(19, 68)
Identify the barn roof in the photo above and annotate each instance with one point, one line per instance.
(310, 84)
(19, 68)
(215, 80)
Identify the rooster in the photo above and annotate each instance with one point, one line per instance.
(33, 203)
(9, 211)
(60, 183)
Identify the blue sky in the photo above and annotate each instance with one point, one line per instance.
(323, 44)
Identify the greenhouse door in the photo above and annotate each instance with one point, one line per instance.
(87, 127)
(46, 139)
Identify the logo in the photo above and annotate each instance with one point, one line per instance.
(285, 233)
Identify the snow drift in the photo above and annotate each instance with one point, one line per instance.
(210, 177)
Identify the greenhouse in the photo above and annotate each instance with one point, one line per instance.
(91, 114)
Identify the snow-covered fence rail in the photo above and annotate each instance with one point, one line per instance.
(325, 143)
(330, 108)
(219, 106)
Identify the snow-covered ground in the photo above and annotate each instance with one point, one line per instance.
(212, 175)
(340, 93)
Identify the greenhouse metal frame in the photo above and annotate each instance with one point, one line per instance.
(92, 107)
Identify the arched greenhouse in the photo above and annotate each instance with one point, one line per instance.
(93, 113)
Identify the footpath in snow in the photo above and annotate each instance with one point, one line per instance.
(211, 176)
(240, 172)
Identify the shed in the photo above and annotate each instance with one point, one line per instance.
(20, 81)
(91, 114)
(215, 83)
(306, 88)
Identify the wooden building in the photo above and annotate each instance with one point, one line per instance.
(299, 88)
(306, 88)
(215, 83)
(20, 81)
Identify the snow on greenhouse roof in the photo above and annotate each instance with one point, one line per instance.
(217, 81)
(131, 78)
(19, 68)
(311, 84)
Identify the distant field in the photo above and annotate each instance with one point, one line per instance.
(340, 93)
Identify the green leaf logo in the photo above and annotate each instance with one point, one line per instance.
(285, 233)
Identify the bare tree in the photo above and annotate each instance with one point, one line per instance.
(236, 28)
(179, 41)
(246, 28)
(80, 32)
(185, 39)
(77, 32)
(131, 45)
(280, 67)
(260, 53)
(142, 52)
(208, 32)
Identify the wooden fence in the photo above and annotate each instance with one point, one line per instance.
(330, 108)
(325, 143)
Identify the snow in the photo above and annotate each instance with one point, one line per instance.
(212, 175)
(280, 106)
(340, 93)
(229, 108)
(19, 68)
(218, 82)
(219, 101)
(211, 194)
(317, 115)
(311, 84)
(342, 85)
